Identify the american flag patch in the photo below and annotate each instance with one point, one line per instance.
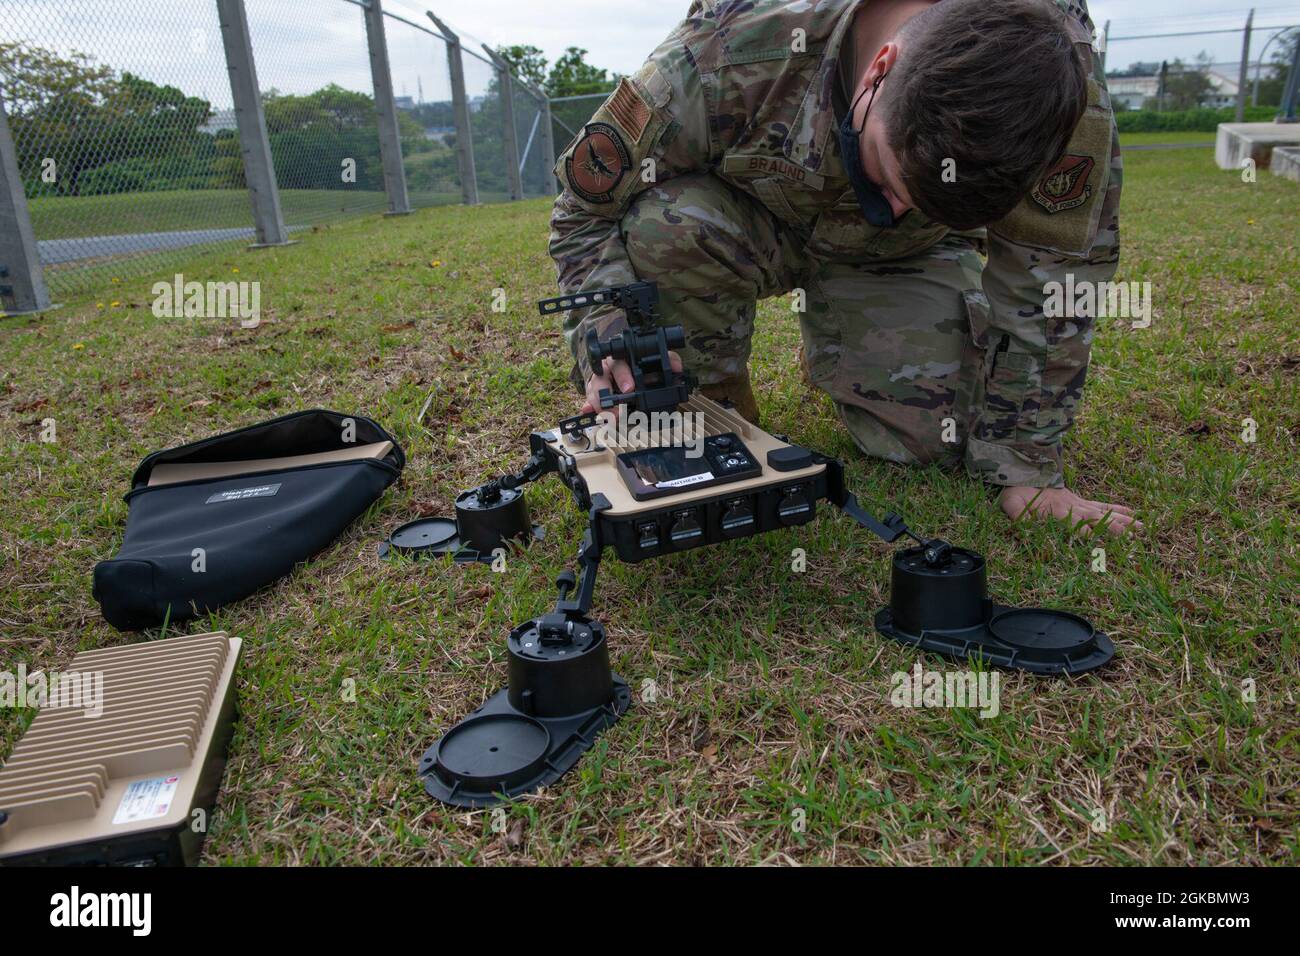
(628, 110)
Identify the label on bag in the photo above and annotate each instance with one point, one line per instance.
(239, 494)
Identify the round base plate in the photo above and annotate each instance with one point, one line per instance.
(493, 753)
(425, 537)
(1043, 635)
(436, 537)
(498, 753)
(1028, 639)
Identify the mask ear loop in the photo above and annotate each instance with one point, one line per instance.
(852, 109)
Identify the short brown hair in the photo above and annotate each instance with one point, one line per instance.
(996, 86)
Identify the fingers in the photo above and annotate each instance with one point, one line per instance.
(622, 375)
(1087, 519)
(1083, 516)
(1118, 509)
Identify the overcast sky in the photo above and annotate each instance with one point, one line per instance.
(300, 45)
(620, 34)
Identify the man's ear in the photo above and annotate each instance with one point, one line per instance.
(882, 62)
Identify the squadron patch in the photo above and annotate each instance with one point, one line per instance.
(1066, 185)
(597, 163)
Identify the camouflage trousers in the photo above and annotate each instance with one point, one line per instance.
(888, 341)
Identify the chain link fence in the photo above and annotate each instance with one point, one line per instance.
(132, 149)
(118, 145)
(324, 138)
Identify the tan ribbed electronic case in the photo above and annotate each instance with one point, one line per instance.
(127, 781)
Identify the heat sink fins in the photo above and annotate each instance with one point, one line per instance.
(116, 715)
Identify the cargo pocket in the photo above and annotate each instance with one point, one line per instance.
(1008, 393)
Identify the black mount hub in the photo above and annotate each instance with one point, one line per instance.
(561, 695)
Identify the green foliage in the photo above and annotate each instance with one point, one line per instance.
(573, 76)
(1197, 120)
(527, 61)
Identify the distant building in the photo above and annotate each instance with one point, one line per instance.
(1223, 90)
(1132, 91)
(220, 119)
(404, 102)
(1141, 82)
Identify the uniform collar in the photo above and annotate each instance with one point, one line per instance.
(810, 133)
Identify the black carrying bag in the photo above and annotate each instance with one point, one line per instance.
(249, 529)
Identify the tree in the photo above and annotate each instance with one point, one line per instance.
(527, 62)
(54, 105)
(1185, 87)
(572, 75)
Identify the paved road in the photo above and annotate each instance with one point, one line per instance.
(1141, 146)
(54, 251)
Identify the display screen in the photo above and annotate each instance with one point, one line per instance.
(656, 466)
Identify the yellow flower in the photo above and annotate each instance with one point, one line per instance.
(234, 268)
(117, 281)
(79, 346)
(115, 303)
(436, 263)
(99, 305)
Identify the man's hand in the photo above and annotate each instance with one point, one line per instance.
(1084, 516)
(616, 372)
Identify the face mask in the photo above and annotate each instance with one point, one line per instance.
(870, 198)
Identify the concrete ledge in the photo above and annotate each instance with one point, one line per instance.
(1239, 141)
(1286, 163)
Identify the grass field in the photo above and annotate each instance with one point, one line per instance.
(774, 701)
(164, 211)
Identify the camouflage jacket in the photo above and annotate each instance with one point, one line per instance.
(745, 89)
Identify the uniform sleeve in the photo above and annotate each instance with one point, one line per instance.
(1035, 357)
(653, 127)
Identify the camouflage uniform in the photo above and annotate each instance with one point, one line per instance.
(715, 171)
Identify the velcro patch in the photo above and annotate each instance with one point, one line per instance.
(628, 110)
(597, 163)
(761, 165)
(1066, 185)
(1062, 212)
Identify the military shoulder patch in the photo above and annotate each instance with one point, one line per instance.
(628, 110)
(597, 163)
(1066, 185)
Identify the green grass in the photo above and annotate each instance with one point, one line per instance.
(66, 217)
(774, 691)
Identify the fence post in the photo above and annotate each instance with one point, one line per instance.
(1244, 76)
(22, 281)
(548, 141)
(259, 171)
(510, 139)
(460, 109)
(390, 142)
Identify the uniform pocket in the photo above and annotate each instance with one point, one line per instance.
(1013, 384)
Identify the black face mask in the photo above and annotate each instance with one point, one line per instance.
(873, 202)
